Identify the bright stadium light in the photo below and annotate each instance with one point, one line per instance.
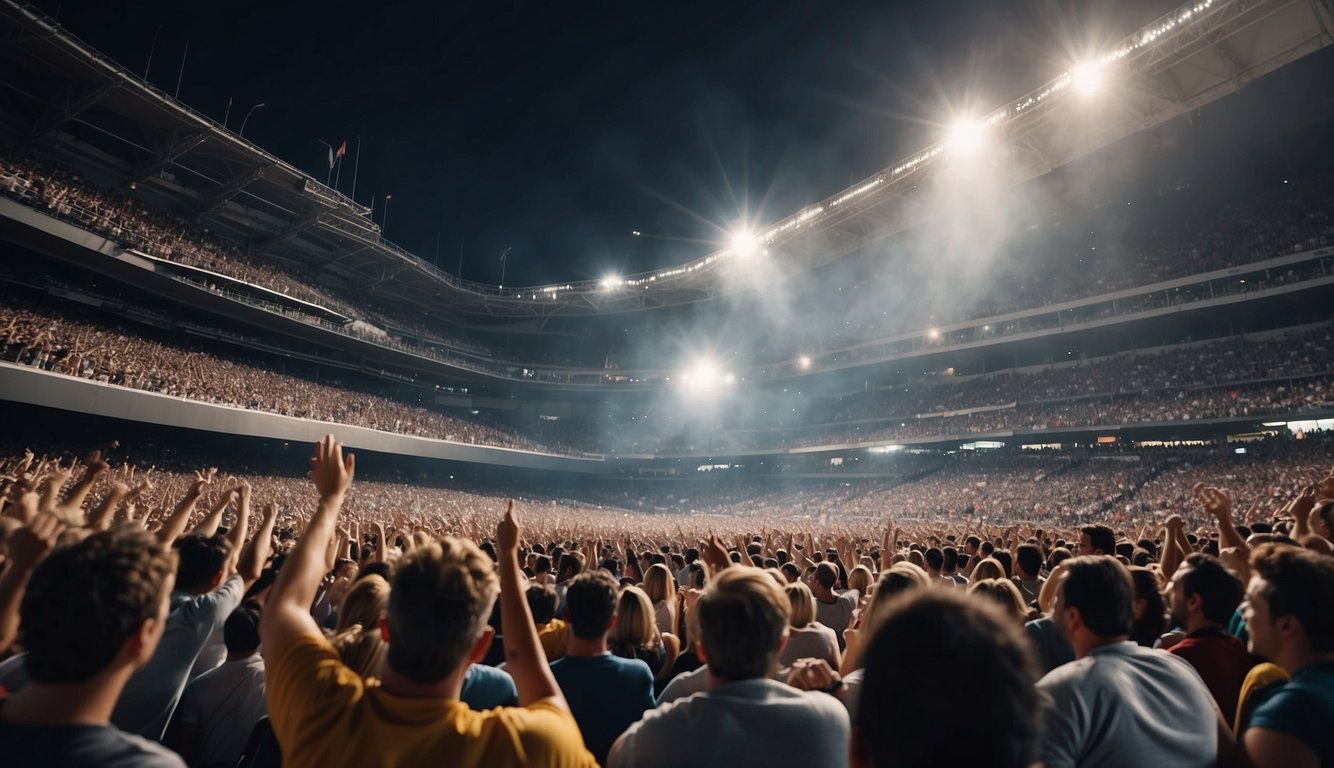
(611, 281)
(1088, 78)
(744, 243)
(803, 362)
(966, 134)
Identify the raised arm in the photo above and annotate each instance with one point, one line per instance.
(524, 658)
(1172, 551)
(209, 525)
(180, 517)
(287, 612)
(27, 546)
(256, 553)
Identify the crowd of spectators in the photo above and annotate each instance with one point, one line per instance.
(165, 616)
(1276, 221)
(100, 353)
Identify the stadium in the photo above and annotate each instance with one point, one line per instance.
(1098, 303)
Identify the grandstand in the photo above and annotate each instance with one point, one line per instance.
(270, 306)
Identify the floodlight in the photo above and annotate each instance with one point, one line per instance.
(933, 334)
(611, 281)
(744, 243)
(803, 362)
(1088, 78)
(966, 134)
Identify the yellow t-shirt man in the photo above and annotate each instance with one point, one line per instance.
(324, 714)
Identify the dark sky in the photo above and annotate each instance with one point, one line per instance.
(556, 129)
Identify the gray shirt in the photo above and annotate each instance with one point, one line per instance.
(748, 722)
(149, 698)
(1124, 705)
(838, 614)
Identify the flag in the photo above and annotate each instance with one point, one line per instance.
(342, 149)
(331, 158)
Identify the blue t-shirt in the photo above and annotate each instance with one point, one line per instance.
(487, 688)
(1303, 708)
(607, 694)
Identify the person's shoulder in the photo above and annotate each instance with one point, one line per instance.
(630, 667)
(139, 751)
(545, 730)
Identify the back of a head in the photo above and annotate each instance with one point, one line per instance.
(85, 600)
(1101, 538)
(635, 624)
(932, 650)
(1220, 592)
(658, 583)
(590, 602)
(802, 604)
(949, 558)
(364, 604)
(439, 603)
(740, 619)
(201, 557)
(1102, 589)
(1003, 594)
(570, 565)
(826, 574)
(1299, 583)
(988, 568)
(935, 558)
(240, 633)
(1029, 559)
(542, 602)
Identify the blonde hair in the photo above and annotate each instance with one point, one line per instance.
(901, 578)
(989, 568)
(635, 624)
(659, 585)
(859, 578)
(360, 648)
(364, 604)
(740, 620)
(803, 604)
(1002, 593)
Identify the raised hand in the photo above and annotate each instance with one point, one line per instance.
(329, 470)
(507, 531)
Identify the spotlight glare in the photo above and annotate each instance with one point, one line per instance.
(611, 281)
(967, 134)
(744, 243)
(803, 362)
(1088, 78)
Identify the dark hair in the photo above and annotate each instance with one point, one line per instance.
(542, 564)
(827, 574)
(973, 540)
(1220, 592)
(590, 602)
(1101, 538)
(1029, 557)
(1002, 556)
(935, 559)
(240, 633)
(1152, 622)
(1101, 588)
(542, 602)
(85, 600)
(950, 559)
(569, 567)
(943, 645)
(692, 555)
(790, 570)
(1299, 583)
(382, 569)
(201, 557)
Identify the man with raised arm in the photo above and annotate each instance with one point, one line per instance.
(436, 626)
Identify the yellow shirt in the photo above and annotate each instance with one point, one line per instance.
(555, 638)
(325, 715)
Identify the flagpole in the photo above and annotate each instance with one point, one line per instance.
(338, 172)
(356, 165)
(181, 73)
(502, 265)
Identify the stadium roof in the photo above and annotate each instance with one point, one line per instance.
(60, 95)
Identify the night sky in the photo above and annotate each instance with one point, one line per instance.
(557, 129)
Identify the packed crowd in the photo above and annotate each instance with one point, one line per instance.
(1292, 218)
(1232, 378)
(62, 344)
(162, 618)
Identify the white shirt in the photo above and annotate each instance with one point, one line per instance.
(224, 704)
